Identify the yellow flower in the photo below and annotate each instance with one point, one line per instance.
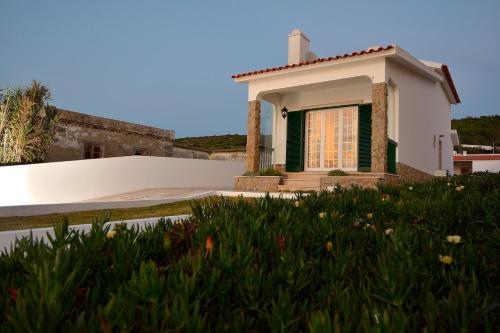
(328, 246)
(447, 260)
(369, 216)
(410, 188)
(448, 184)
(297, 203)
(389, 231)
(110, 234)
(322, 215)
(459, 188)
(455, 239)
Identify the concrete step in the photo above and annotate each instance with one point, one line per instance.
(293, 188)
(301, 182)
(305, 175)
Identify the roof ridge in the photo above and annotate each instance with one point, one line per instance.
(324, 59)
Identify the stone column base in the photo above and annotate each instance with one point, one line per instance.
(410, 174)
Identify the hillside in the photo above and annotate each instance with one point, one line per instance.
(472, 130)
(478, 131)
(214, 142)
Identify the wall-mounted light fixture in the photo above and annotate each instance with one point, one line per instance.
(284, 112)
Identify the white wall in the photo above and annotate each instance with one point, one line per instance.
(423, 112)
(312, 98)
(491, 166)
(72, 181)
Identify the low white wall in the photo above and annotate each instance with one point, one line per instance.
(491, 166)
(72, 181)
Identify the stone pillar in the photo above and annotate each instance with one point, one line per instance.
(253, 136)
(379, 127)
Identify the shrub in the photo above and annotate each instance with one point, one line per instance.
(26, 124)
(337, 173)
(360, 260)
(270, 172)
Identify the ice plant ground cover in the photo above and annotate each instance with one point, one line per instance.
(419, 257)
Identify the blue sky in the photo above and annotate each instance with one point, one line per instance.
(168, 63)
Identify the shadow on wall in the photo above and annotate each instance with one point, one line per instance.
(72, 181)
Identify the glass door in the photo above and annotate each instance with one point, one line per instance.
(332, 139)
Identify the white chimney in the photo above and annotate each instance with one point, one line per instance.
(298, 48)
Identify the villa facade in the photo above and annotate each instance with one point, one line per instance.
(380, 110)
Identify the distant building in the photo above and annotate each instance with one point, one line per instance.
(82, 136)
(468, 163)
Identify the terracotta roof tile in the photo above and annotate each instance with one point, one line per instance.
(305, 63)
(477, 157)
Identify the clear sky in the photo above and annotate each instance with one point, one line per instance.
(168, 63)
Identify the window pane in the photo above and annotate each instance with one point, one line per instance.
(313, 139)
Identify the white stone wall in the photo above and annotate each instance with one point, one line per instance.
(72, 181)
(423, 113)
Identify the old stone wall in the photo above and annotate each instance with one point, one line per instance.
(182, 152)
(222, 155)
(117, 138)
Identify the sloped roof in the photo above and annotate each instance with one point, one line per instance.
(305, 63)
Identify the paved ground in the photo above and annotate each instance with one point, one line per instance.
(8, 238)
(140, 198)
(155, 194)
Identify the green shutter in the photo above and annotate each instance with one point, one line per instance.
(391, 156)
(295, 141)
(365, 138)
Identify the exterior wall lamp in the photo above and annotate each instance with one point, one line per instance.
(284, 112)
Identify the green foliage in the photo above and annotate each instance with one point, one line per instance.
(348, 260)
(266, 172)
(337, 173)
(26, 124)
(483, 130)
(270, 172)
(214, 142)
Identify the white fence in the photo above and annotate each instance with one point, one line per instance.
(72, 181)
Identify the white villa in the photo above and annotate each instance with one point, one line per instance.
(380, 111)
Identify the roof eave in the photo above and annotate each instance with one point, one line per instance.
(324, 62)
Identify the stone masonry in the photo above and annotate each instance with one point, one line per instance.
(409, 174)
(117, 138)
(253, 136)
(379, 127)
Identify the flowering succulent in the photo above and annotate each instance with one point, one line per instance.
(209, 246)
(446, 260)
(455, 239)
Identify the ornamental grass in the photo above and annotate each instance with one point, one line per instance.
(308, 264)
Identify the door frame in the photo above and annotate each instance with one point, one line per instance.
(356, 126)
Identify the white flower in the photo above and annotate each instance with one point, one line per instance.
(389, 231)
(110, 234)
(455, 239)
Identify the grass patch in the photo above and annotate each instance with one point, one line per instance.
(118, 214)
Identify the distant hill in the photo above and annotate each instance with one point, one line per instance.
(483, 130)
(214, 142)
(478, 131)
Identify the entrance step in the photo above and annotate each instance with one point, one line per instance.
(301, 181)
